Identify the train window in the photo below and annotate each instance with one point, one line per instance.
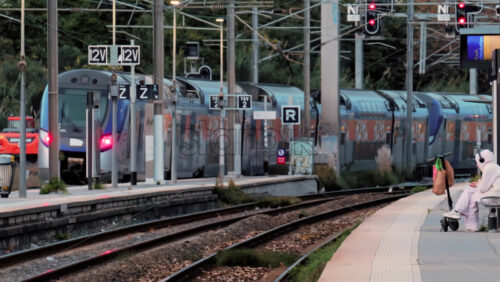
(342, 138)
(388, 138)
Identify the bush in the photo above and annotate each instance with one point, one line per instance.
(232, 195)
(368, 178)
(98, 185)
(54, 185)
(417, 189)
(253, 258)
(274, 202)
(327, 177)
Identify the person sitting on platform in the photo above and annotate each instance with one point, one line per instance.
(488, 185)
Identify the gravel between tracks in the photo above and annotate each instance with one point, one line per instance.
(162, 261)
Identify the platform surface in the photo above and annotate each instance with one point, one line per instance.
(81, 193)
(404, 242)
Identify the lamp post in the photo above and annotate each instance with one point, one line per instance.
(221, 103)
(173, 173)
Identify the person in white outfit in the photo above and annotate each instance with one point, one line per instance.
(488, 185)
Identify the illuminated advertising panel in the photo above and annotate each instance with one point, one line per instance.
(477, 46)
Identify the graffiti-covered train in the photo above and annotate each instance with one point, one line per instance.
(369, 120)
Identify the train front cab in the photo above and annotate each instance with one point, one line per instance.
(73, 88)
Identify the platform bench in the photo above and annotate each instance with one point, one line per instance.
(493, 203)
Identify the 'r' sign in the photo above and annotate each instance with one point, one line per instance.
(290, 114)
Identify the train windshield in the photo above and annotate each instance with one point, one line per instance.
(72, 106)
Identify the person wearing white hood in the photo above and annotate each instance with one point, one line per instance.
(488, 185)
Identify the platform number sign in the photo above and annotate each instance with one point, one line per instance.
(129, 55)
(244, 102)
(214, 102)
(98, 55)
(290, 114)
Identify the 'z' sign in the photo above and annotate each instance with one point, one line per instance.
(129, 55)
(98, 55)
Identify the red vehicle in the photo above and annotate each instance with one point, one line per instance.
(10, 136)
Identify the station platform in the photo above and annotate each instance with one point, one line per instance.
(404, 242)
(251, 185)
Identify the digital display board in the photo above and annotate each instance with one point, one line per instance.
(477, 46)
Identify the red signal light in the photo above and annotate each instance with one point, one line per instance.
(46, 138)
(462, 20)
(461, 5)
(106, 142)
(371, 22)
(372, 6)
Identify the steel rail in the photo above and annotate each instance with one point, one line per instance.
(193, 269)
(285, 274)
(30, 254)
(145, 245)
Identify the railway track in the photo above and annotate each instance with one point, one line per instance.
(194, 269)
(110, 235)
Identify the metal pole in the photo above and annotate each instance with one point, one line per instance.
(255, 47)
(221, 107)
(307, 66)
(53, 89)
(290, 141)
(114, 100)
(174, 102)
(158, 58)
(409, 87)
(473, 81)
(266, 143)
(133, 126)
(22, 141)
(359, 61)
(231, 81)
(90, 140)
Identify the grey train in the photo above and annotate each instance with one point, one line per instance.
(369, 120)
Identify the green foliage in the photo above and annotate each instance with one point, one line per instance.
(417, 189)
(98, 185)
(55, 185)
(274, 202)
(327, 177)
(62, 236)
(253, 258)
(368, 178)
(475, 178)
(233, 195)
(316, 262)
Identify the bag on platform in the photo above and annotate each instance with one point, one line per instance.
(440, 175)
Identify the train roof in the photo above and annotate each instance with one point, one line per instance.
(282, 93)
(209, 87)
(366, 101)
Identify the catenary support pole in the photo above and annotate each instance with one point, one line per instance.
(133, 126)
(114, 109)
(409, 87)
(255, 45)
(307, 67)
(173, 172)
(221, 104)
(22, 141)
(231, 81)
(358, 61)
(158, 64)
(53, 89)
